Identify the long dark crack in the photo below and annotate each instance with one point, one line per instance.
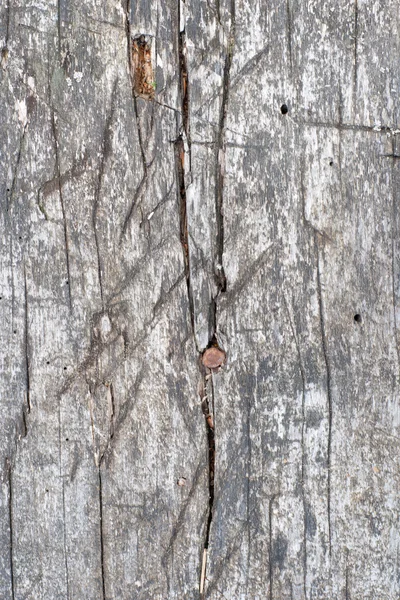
(206, 379)
(26, 348)
(184, 80)
(183, 138)
(220, 158)
(103, 585)
(183, 226)
(10, 518)
(180, 155)
(207, 394)
(328, 386)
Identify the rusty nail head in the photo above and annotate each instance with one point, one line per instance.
(213, 358)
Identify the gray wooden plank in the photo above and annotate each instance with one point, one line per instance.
(135, 232)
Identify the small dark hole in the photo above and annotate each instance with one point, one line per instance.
(8, 189)
(47, 362)
(357, 318)
(67, 439)
(46, 491)
(65, 368)
(284, 109)
(15, 331)
(67, 282)
(331, 163)
(20, 238)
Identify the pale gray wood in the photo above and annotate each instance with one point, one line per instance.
(136, 232)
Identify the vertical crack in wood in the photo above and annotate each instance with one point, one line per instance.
(303, 453)
(26, 344)
(219, 273)
(59, 28)
(183, 79)
(63, 500)
(7, 36)
(10, 519)
(60, 193)
(207, 388)
(183, 226)
(347, 590)
(180, 154)
(103, 583)
(289, 34)
(248, 468)
(11, 192)
(355, 74)
(270, 562)
(220, 157)
(394, 238)
(180, 169)
(318, 239)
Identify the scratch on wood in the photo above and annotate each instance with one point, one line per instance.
(250, 273)
(111, 411)
(180, 521)
(106, 149)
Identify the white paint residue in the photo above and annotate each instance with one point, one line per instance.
(78, 76)
(105, 325)
(20, 107)
(69, 81)
(150, 215)
(31, 83)
(159, 61)
(182, 16)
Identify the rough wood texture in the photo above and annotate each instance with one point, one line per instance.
(245, 199)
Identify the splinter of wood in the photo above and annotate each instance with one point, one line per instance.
(143, 76)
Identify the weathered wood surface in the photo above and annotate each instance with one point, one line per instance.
(135, 232)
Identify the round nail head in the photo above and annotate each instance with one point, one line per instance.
(213, 358)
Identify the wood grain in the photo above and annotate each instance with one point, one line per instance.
(245, 200)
